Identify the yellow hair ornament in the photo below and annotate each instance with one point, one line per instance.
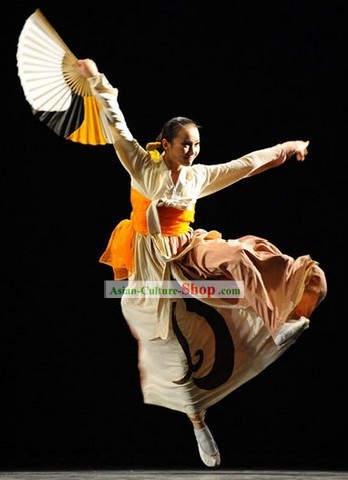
(151, 147)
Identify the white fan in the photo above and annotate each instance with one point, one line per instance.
(58, 94)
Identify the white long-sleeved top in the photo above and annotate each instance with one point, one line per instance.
(153, 180)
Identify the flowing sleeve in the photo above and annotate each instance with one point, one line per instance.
(131, 154)
(222, 175)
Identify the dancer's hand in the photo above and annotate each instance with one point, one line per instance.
(87, 67)
(294, 147)
(301, 150)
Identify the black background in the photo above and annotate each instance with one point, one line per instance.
(252, 74)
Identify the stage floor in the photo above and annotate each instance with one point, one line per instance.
(174, 475)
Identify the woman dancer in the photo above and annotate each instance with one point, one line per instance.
(193, 352)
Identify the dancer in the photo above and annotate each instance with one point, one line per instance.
(195, 351)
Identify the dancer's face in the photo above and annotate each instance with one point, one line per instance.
(183, 149)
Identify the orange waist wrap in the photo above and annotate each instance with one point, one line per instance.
(119, 252)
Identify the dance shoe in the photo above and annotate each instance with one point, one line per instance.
(290, 330)
(208, 450)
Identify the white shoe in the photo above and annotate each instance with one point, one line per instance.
(208, 450)
(290, 330)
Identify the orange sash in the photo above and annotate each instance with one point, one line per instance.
(119, 252)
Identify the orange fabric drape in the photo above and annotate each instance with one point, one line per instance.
(119, 252)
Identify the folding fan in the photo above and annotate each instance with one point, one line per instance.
(58, 94)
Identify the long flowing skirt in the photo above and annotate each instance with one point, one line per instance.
(212, 348)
